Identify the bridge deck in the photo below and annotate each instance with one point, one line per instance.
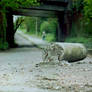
(47, 8)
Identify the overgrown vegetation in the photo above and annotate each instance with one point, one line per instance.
(5, 6)
(37, 25)
(3, 43)
(81, 31)
(82, 23)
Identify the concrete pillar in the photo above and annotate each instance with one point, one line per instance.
(61, 27)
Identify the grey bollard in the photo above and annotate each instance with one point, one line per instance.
(64, 51)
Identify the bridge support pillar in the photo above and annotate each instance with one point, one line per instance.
(63, 27)
(10, 30)
(60, 28)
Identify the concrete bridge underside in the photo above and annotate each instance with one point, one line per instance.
(50, 8)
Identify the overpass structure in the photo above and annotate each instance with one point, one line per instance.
(50, 8)
(47, 8)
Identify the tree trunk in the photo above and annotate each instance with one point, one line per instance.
(28, 29)
(3, 24)
(10, 31)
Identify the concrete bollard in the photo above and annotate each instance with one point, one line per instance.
(64, 51)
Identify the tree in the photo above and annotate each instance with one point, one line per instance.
(88, 16)
(49, 26)
(88, 9)
(18, 22)
(32, 24)
(29, 23)
(76, 18)
(77, 5)
(6, 20)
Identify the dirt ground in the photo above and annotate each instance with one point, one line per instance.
(22, 70)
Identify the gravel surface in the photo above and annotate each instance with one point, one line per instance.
(22, 70)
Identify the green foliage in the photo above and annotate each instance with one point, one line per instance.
(3, 42)
(77, 6)
(6, 5)
(17, 23)
(43, 24)
(45, 27)
(84, 40)
(82, 23)
(88, 16)
(17, 3)
(88, 9)
(29, 24)
(49, 26)
(79, 40)
(88, 28)
(3, 45)
(50, 37)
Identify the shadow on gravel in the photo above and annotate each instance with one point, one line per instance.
(21, 48)
(28, 46)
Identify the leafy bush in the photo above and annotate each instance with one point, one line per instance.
(79, 40)
(3, 45)
(49, 26)
(45, 27)
(50, 37)
(88, 9)
(88, 17)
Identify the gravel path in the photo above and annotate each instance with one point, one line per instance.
(22, 70)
